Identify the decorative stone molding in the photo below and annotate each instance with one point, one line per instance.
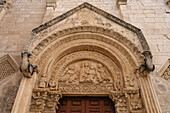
(125, 98)
(96, 36)
(164, 71)
(166, 74)
(4, 6)
(98, 11)
(7, 66)
(44, 100)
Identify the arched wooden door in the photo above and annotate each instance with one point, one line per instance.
(86, 105)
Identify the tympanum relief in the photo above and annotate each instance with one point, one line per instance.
(86, 76)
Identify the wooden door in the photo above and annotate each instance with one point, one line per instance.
(86, 105)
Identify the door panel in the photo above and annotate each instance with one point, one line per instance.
(86, 105)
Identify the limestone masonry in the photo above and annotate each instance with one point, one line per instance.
(119, 49)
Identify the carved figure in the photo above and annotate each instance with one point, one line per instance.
(26, 68)
(117, 81)
(135, 102)
(53, 84)
(129, 80)
(148, 64)
(85, 72)
(103, 74)
(70, 75)
(43, 82)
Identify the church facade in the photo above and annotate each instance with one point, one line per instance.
(85, 56)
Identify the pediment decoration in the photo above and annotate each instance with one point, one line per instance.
(166, 74)
(7, 66)
(96, 17)
(164, 71)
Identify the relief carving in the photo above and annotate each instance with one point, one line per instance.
(86, 72)
(7, 67)
(118, 97)
(129, 80)
(86, 77)
(135, 102)
(134, 99)
(117, 81)
(44, 100)
(53, 84)
(43, 82)
(166, 74)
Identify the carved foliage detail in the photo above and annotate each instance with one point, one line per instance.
(44, 100)
(166, 74)
(120, 101)
(134, 100)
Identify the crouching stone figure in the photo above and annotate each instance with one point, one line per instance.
(26, 68)
(148, 65)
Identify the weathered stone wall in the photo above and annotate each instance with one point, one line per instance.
(153, 17)
(16, 23)
(106, 5)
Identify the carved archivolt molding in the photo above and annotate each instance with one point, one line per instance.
(91, 29)
(87, 73)
(46, 54)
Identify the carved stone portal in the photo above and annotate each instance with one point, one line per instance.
(86, 77)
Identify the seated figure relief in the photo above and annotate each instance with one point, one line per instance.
(86, 72)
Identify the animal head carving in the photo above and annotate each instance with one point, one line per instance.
(27, 54)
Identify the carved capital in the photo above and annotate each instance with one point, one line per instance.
(44, 100)
(120, 101)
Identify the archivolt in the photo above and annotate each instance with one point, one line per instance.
(40, 46)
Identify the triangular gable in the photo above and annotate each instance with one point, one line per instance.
(7, 66)
(98, 11)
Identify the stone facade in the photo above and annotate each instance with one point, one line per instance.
(137, 26)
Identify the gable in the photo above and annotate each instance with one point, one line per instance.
(88, 15)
